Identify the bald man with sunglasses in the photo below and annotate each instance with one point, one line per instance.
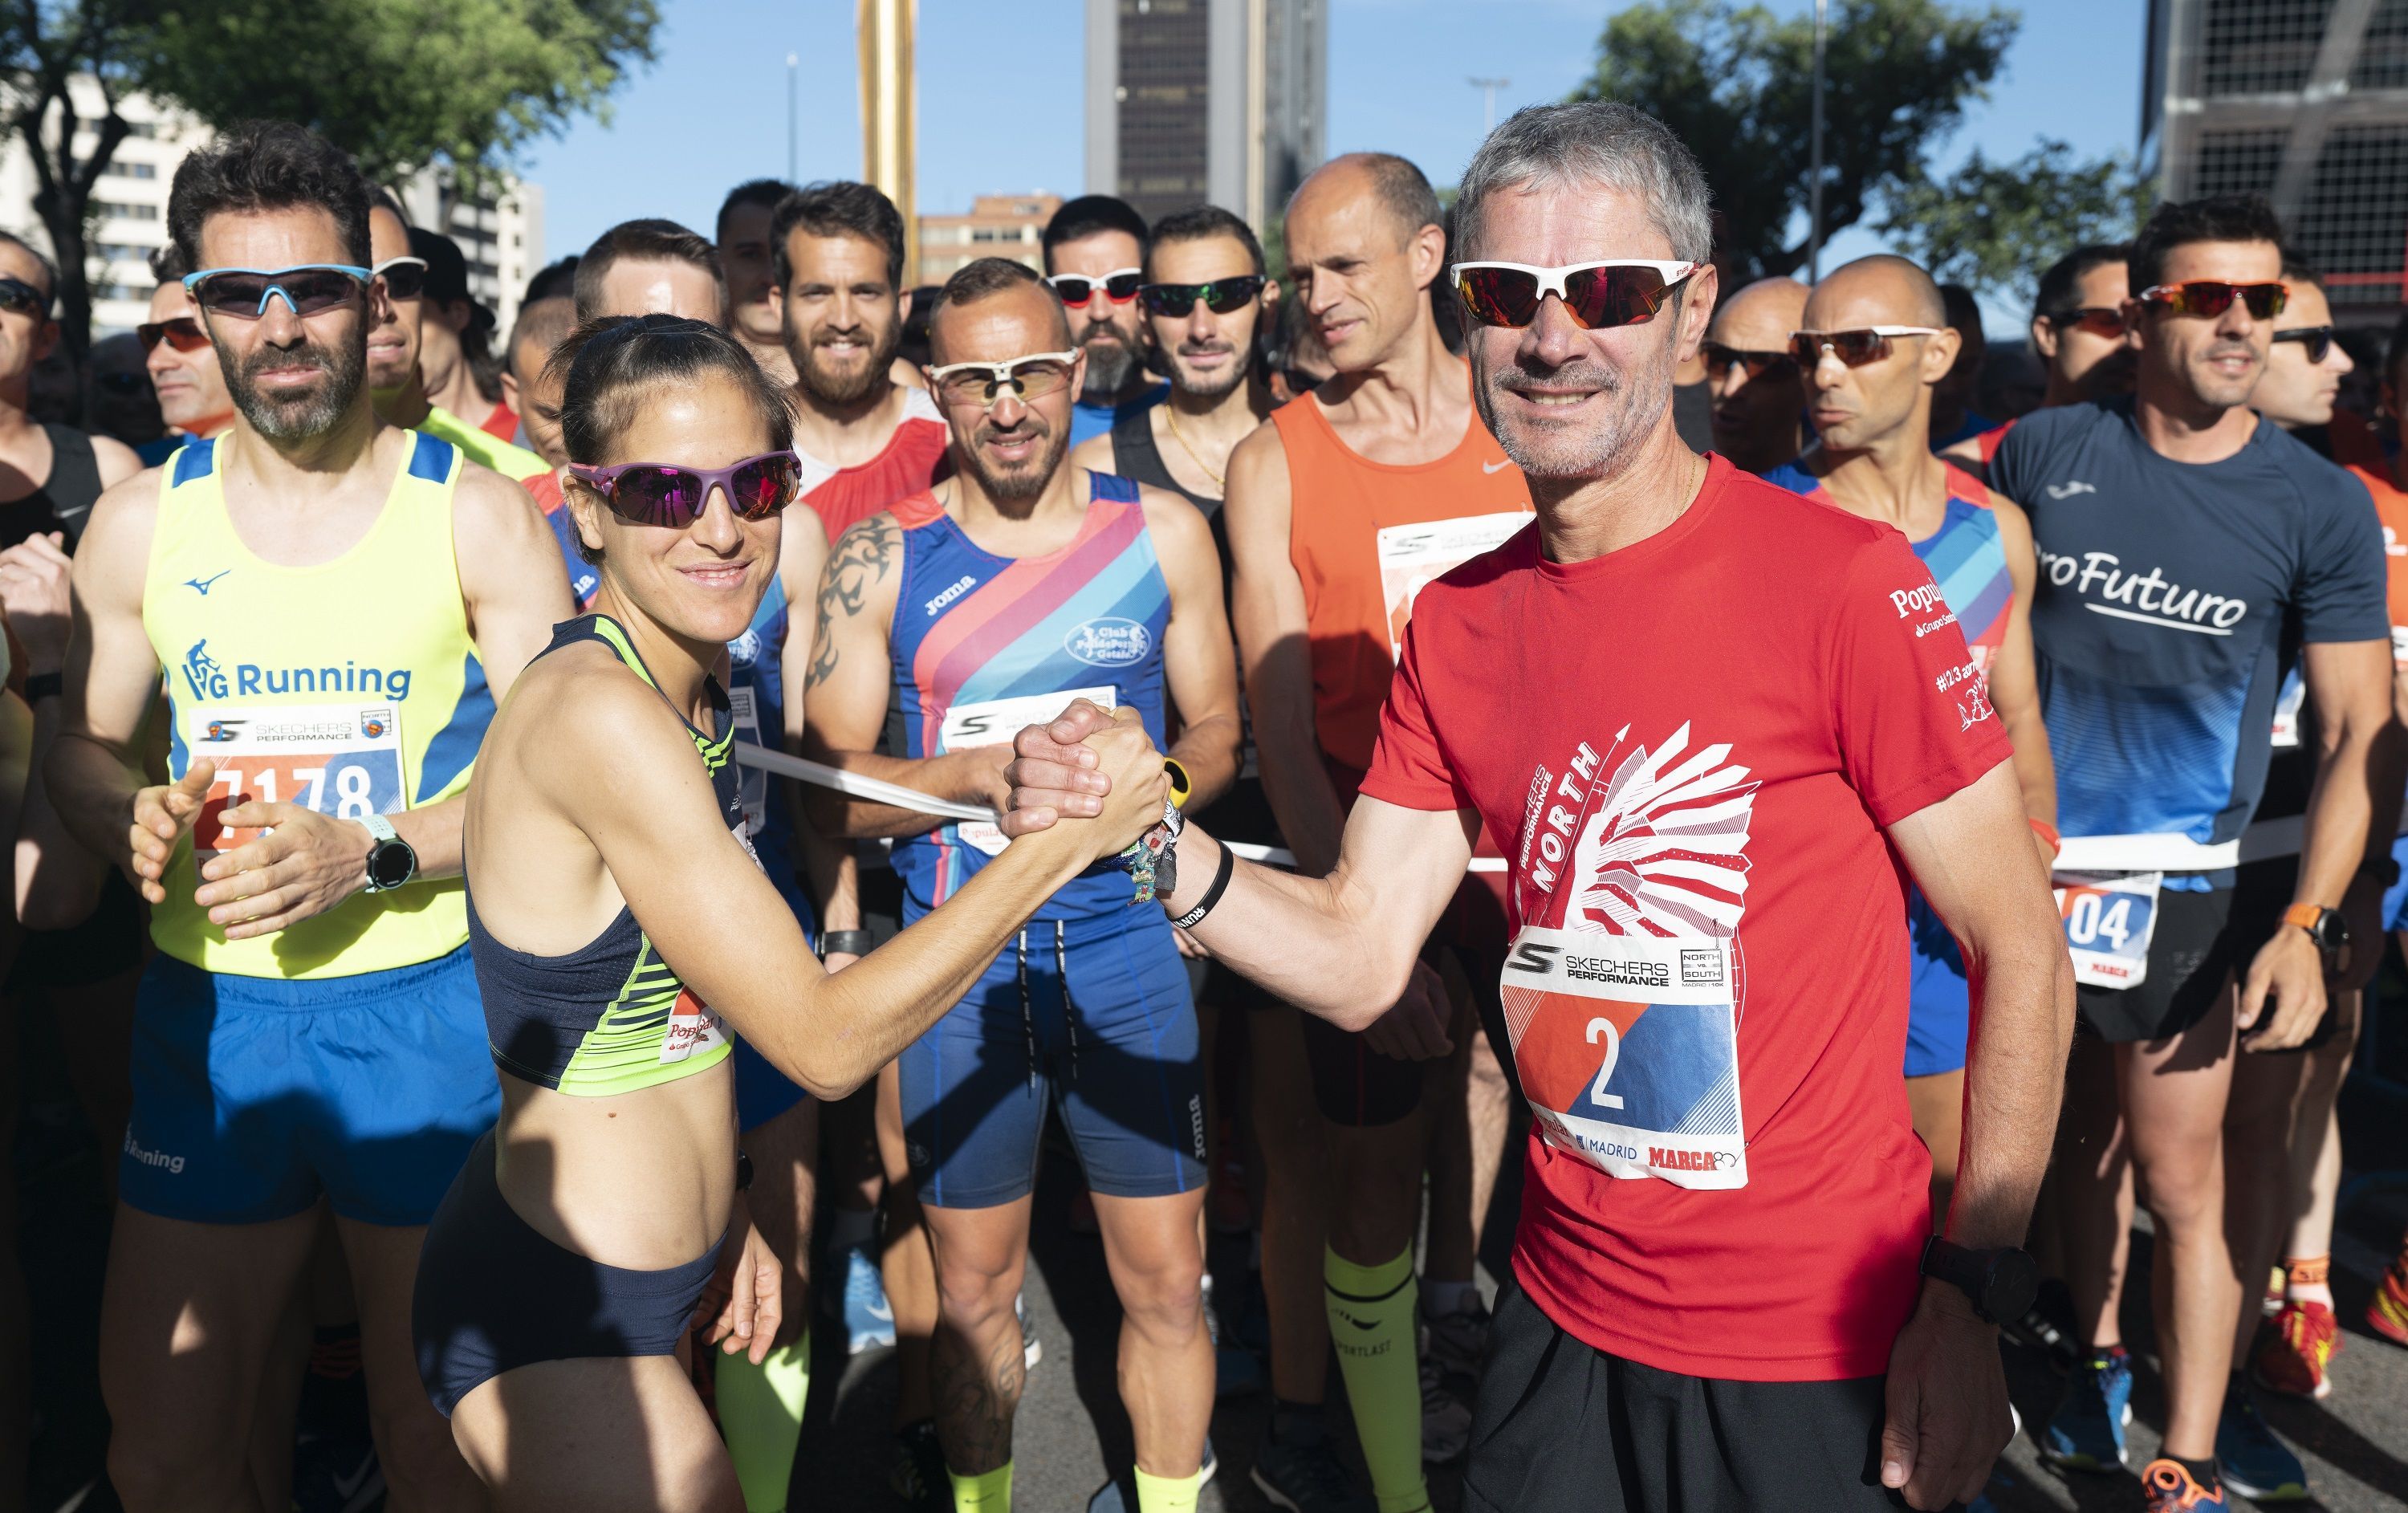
(2190, 552)
(1870, 404)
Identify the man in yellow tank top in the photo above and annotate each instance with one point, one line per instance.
(335, 607)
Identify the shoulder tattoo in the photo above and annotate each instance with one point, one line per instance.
(861, 559)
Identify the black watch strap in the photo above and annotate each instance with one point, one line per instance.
(2000, 1283)
(849, 942)
(40, 686)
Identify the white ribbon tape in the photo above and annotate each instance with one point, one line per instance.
(879, 791)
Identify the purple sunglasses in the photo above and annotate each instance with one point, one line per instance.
(663, 494)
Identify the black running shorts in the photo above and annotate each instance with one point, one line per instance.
(2197, 943)
(1562, 1427)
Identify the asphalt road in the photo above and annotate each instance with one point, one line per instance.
(1070, 1427)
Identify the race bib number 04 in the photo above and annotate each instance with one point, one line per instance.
(1629, 1051)
(2108, 921)
(995, 722)
(342, 759)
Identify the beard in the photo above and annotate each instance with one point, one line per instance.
(1636, 402)
(835, 388)
(1110, 363)
(1209, 386)
(311, 412)
(1018, 485)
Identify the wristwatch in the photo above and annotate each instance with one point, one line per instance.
(2325, 926)
(2002, 1282)
(40, 686)
(391, 862)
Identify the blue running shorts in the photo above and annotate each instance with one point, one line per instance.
(253, 1095)
(1095, 1015)
(1939, 1002)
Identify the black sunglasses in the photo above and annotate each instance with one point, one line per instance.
(2098, 319)
(17, 297)
(1720, 360)
(1220, 296)
(2318, 340)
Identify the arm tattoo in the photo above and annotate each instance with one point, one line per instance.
(863, 557)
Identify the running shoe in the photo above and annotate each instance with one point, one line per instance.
(868, 1321)
(2170, 1489)
(2387, 1314)
(336, 1474)
(1032, 1350)
(917, 1477)
(2254, 1462)
(1446, 1419)
(2292, 1357)
(1306, 1476)
(2086, 1431)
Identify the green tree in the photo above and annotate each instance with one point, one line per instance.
(1994, 226)
(1736, 84)
(398, 83)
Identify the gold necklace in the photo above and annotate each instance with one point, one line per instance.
(1170, 413)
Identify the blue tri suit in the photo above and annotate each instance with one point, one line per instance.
(1090, 1003)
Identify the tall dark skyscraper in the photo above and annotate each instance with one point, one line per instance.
(1194, 100)
(2305, 102)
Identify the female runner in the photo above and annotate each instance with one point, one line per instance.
(623, 932)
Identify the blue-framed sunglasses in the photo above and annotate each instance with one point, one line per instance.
(305, 287)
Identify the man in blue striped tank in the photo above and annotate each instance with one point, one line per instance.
(952, 620)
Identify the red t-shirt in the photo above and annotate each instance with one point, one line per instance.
(913, 459)
(1688, 750)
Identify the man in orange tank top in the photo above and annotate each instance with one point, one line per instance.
(1338, 512)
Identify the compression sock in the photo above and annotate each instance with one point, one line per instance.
(761, 1417)
(2309, 1280)
(1169, 1494)
(989, 1491)
(2202, 1472)
(1372, 1323)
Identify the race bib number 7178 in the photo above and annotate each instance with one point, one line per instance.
(338, 759)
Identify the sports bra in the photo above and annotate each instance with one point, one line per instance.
(610, 1016)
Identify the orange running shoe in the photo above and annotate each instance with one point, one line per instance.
(2387, 1314)
(2293, 1354)
(2170, 1489)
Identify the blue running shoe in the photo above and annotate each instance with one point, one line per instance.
(2086, 1431)
(2254, 1462)
(869, 1322)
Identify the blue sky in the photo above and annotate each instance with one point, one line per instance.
(1000, 97)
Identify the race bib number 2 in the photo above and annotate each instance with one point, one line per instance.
(2108, 921)
(337, 759)
(1627, 1049)
(995, 722)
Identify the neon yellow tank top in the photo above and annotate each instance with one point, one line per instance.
(352, 687)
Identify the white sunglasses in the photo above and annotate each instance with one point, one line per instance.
(1612, 291)
(960, 383)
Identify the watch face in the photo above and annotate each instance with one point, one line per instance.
(391, 864)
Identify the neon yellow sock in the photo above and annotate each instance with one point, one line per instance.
(989, 1491)
(761, 1417)
(1372, 1313)
(1169, 1494)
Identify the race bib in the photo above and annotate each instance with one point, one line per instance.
(342, 760)
(995, 722)
(694, 1026)
(2109, 920)
(752, 783)
(2288, 702)
(1413, 555)
(1627, 1049)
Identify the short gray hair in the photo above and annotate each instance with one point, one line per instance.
(1592, 142)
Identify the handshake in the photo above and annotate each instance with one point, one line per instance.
(1089, 764)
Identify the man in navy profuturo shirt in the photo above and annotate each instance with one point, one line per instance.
(2188, 552)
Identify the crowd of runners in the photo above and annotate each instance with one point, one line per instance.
(1851, 819)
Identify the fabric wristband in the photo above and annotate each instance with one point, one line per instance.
(2048, 833)
(1211, 895)
(850, 942)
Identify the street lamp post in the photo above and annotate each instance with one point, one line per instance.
(1489, 87)
(1814, 173)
